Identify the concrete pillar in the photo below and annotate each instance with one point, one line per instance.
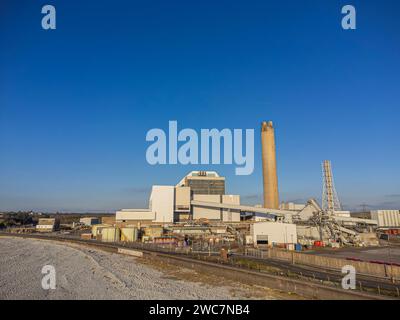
(270, 178)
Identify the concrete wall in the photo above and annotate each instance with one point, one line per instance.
(275, 231)
(162, 200)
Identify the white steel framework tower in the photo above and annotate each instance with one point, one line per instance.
(330, 200)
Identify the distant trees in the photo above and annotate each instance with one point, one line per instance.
(19, 218)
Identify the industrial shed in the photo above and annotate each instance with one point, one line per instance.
(270, 233)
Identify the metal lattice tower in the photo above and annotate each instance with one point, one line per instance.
(330, 200)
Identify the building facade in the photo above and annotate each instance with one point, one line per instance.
(386, 218)
(169, 204)
(204, 182)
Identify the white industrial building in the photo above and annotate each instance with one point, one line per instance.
(270, 233)
(200, 195)
(162, 203)
(386, 218)
(163, 209)
(170, 204)
(89, 221)
(48, 224)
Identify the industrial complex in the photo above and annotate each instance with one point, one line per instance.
(197, 207)
(195, 218)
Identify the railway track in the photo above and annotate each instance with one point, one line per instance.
(303, 287)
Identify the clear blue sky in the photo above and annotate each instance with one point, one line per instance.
(76, 103)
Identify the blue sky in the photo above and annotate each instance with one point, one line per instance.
(76, 102)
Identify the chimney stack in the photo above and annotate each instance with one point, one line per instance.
(270, 178)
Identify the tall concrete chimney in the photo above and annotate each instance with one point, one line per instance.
(270, 178)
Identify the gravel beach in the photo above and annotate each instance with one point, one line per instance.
(86, 273)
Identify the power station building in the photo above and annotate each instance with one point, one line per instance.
(171, 204)
(203, 182)
(200, 195)
(199, 199)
